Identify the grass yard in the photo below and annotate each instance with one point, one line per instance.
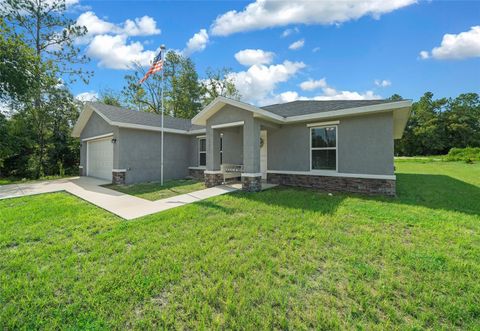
(280, 259)
(154, 191)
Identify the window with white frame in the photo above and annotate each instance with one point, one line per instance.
(323, 148)
(202, 152)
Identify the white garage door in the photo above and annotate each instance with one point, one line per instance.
(100, 158)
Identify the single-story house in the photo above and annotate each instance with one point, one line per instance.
(339, 145)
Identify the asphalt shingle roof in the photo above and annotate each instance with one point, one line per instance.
(294, 108)
(306, 107)
(122, 115)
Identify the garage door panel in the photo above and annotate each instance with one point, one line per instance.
(100, 159)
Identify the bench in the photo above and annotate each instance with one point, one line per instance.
(231, 171)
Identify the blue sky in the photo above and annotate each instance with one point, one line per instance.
(309, 50)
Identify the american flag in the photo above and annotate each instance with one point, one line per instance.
(157, 65)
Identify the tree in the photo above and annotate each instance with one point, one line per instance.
(218, 83)
(16, 65)
(6, 141)
(110, 97)
(145, 96)
(181, 93)
(425, 130)
(43, 26)
(395, 97)
(462, 118)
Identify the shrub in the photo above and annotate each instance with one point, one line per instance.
(468, 154)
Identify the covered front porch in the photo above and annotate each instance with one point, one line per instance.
(237, 149)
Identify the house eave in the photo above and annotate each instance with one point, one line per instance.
(89, 109)
(220, 102)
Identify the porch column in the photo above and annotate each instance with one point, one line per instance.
(251, 177)
(213, 176)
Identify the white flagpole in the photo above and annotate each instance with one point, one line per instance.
(162, 48)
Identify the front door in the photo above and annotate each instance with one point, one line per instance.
(263, 153)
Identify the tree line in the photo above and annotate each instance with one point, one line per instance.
(437, 125)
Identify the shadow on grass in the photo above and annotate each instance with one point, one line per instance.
(302, 199)
(438, 192)
(431, 191)
(211, 205)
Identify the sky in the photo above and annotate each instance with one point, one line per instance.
(281, 51)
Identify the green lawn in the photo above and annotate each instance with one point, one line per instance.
(154, 191)
(280, 259)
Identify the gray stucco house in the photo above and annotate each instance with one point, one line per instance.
(332, 145)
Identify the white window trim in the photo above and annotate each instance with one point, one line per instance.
(200, 152)
(320, 124)
(325, 148)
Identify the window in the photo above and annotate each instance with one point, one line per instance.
(202, 152)
(324, 148)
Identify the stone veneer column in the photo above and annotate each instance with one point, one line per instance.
(213, 178)
(251, 183)
(118, 177)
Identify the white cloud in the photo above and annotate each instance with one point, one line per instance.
(288, 32)
(457, 46)
(382, 83)
(108, 42)
(96, 25)
(249, 57)
(316, 49)
(311, 84)
(258, 82)
(87, 96)
(424, 55)
(197, 43)
(333, 94)
(328, 93)
(263, 14)
(144, 26)
(297, 44)
(115, 53)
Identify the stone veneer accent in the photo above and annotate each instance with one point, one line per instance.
(252, 184)
(118, 177)
(212, 180)
(370, 186)
(196, 173)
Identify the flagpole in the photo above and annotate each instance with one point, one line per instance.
(162, 49)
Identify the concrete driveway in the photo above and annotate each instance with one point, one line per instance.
(123, 205)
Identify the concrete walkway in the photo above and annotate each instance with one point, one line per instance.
(123, 205)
